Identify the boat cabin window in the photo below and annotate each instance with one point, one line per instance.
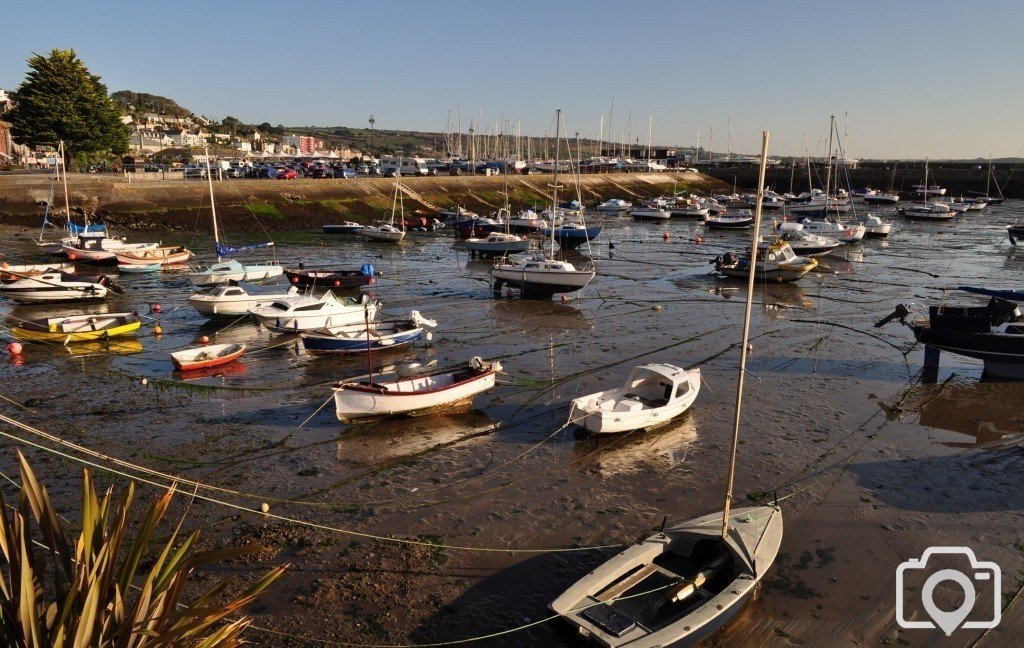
(233, 291)
(311, 307)
(279, 305)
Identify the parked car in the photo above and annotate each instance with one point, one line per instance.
(322, 172)
(287, 174)
(345, 172)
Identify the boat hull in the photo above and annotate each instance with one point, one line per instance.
(487, 250)
(355, 402)
(540, 284)
(207, 357)
(325, 344)
(247, 273)
(336, 279)
(755, 534)
(572, 239)
(1003, 355)
(342, 229)
(28, 335)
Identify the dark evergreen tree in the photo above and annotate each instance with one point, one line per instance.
(60, 100)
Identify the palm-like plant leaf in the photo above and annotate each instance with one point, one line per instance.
(93, 573)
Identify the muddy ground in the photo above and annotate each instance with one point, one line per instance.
(872, 464)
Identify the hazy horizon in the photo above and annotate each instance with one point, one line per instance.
(905, 80)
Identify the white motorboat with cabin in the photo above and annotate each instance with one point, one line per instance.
(296, 313)
(803, 242)
(778, 264)
(232, 300)
(614, 205)
(874, 226)
(831, 227)
(347, 227)
(650, 214)
(55, 286)
(497, 244)
(653, 395)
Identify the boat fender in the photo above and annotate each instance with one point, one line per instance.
(367, 270)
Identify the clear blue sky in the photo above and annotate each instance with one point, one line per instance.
(917, 78)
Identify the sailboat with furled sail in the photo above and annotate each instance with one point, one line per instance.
(228, 270)
(537, 274)
(683, 583)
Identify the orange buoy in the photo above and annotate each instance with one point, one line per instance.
(698, 240)
(14, 348)
(158, 330)
(156, 308)
(295, 280)
(204, 340)
(337, 283)
(664, 236)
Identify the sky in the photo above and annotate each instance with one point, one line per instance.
(907, 79)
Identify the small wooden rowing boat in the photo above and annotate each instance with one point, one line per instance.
(207, 356)
(167, 255)
(415, 395)
(77, 328)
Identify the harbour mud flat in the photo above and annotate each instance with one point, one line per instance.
(442, 528)
(184, 205)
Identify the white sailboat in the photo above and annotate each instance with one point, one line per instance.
(225, 271)
(685, 582)
(387, 232)
(924, 210)
(536, 274)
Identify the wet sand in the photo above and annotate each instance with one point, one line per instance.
(873, 464)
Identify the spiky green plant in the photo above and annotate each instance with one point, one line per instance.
(100, 595)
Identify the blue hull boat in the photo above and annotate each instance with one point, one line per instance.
(1012, 295)
(356, 338)
(570, 235)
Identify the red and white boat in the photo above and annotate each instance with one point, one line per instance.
(205, 357)
(414, 395)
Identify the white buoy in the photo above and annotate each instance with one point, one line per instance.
(265, 507)
(144, 382)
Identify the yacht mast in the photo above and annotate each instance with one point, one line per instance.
(828, 161)
(64, 174)
(554, 186)
(746, 338)
(213, 206)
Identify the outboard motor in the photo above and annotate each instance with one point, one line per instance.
(900, 313)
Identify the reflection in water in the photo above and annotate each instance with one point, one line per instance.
(538, 314)
(22, 313)
(397, 438)
(122, 346)
(1014, 259)
(988, 412)
(774, 298)
(662, 448)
